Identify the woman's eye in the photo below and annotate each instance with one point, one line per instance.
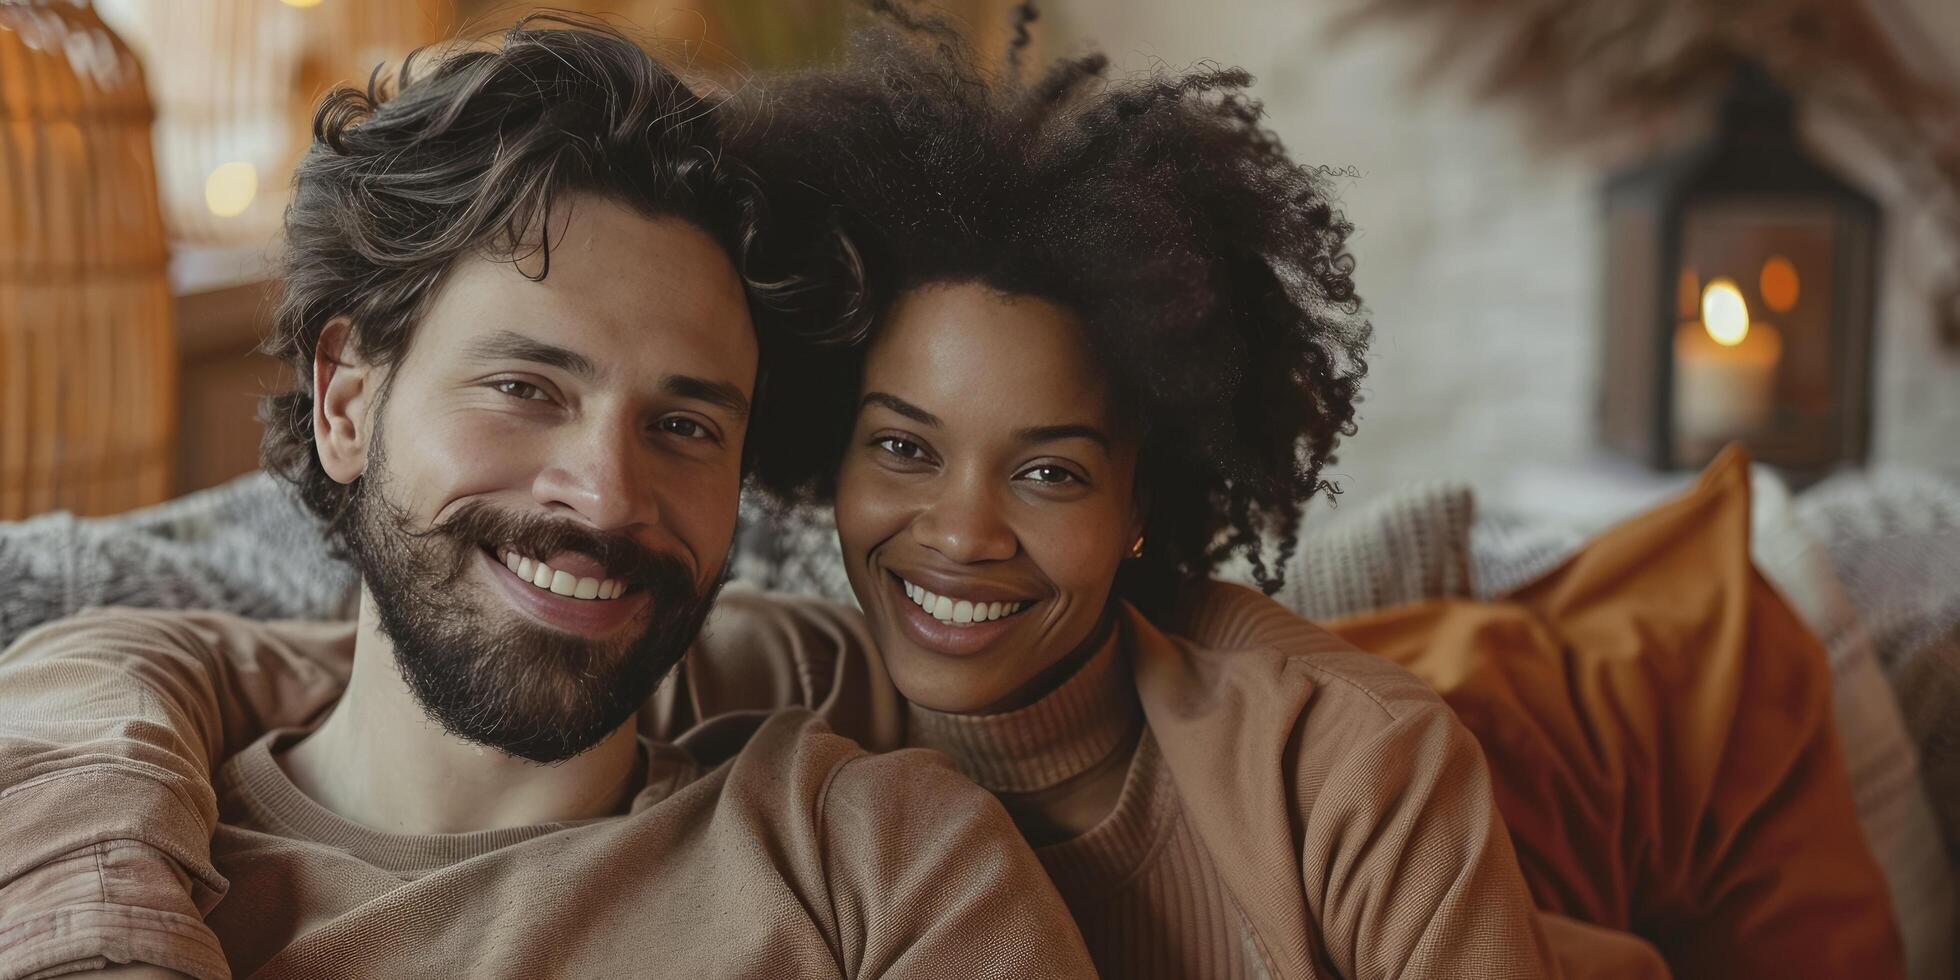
(685, 427)
(1052, 475)
(901, 448)
(521, 390)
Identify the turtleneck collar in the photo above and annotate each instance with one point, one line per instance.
(1063, 734)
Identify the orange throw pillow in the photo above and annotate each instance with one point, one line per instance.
(1658, 724)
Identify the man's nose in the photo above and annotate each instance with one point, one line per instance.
(603, 475)
(964, 523)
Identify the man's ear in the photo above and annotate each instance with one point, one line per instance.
(345, 387)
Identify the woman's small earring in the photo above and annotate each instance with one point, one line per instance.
(1136, 550)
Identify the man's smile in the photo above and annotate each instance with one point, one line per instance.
(574, 575)
(564, 601)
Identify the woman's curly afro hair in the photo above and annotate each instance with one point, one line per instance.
(1209, 270)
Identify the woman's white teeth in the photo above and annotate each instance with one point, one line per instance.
(959, 612)
(545, 577)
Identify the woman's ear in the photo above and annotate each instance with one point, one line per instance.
(343, 398)
(1139, 511)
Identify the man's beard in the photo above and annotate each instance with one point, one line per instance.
(491, 676)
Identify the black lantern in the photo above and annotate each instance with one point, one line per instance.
(1739, 290)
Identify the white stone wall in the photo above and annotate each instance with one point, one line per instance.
(1479, 253)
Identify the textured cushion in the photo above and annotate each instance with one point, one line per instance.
(245, 547)
(1661, 733)
(1410, 545)
(1892, 798)
(1893, 540)
(1895, 795)
(793, 550)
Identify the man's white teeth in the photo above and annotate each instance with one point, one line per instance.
(959, 612)
(545, 577)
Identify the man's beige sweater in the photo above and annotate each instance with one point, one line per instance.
(1291, 808)
(798, 855)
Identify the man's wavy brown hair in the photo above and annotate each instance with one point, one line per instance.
(1209, 269)
(466, 157)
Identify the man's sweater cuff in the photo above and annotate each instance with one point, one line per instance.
(114, 902)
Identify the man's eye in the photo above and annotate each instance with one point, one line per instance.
(685, 427)
(1051, 475)
(901, 448)
(521, 390)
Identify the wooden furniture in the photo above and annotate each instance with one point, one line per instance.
(87, 376)
(220, 326)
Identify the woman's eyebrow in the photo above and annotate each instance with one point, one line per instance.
(1031, 434)
(901, 406)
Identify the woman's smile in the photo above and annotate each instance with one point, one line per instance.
(964, 620)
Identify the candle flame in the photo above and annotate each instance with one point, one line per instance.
(1724, 314)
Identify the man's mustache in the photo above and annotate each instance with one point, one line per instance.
(534, 535)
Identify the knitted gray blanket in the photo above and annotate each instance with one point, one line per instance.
(246, 547)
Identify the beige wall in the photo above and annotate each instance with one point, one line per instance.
(1478, 255)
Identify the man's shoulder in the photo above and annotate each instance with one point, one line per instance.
(107, 625)
(119, 620)
(115, 629)
(747, 614)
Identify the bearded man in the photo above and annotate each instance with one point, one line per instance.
(524, 303)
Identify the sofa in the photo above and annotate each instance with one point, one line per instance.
(1870, 560)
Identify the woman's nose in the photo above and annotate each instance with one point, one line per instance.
(966, 525)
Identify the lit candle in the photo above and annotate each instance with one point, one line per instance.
(1724, 371)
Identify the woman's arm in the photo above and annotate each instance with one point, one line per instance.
(1406, 864)
(760, 652)
(110, 726)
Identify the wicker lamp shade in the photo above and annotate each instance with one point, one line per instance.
(87, 350)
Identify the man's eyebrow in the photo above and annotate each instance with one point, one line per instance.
(719, 393)
(1050, 433)
(902, 407)
(511, 345)
(514, 346)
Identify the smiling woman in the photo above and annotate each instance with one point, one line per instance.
(1206, 270)
(1114, 342)
(976, 481)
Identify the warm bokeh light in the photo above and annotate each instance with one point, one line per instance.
(302, 3)
(1723, 313)
(1779, 284)
(230, 188)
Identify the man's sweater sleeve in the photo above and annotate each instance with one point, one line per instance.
(929, 878)
(110, 726)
